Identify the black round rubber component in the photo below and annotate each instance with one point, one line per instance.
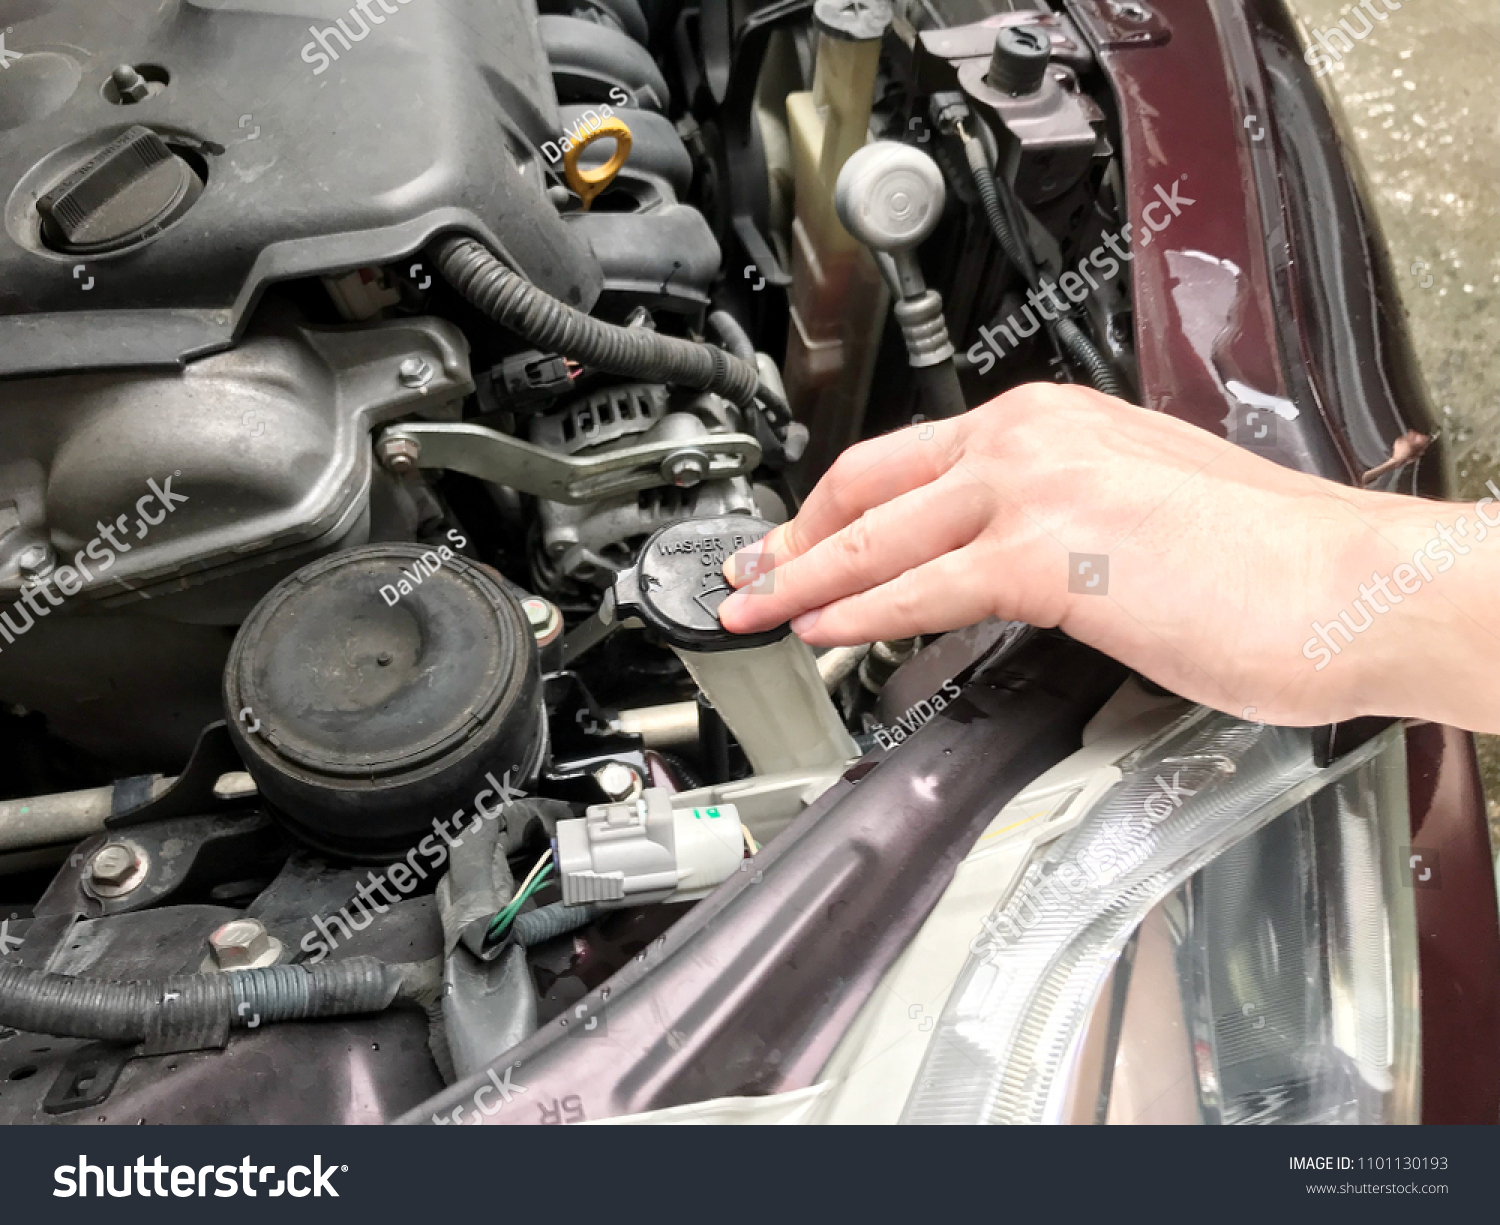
(377, 690)
(1018, 64)
(678, 584)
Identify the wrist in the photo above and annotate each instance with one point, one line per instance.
(1420, 596)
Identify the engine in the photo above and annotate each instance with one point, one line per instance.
(382, 387)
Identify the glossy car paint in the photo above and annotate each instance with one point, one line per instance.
(1276, 279)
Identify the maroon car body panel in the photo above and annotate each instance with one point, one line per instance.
(1247, 288)
(1456, 924)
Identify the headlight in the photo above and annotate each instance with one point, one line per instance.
(1269, 949)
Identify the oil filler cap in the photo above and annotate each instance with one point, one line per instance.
(678, 584)
(131, 189)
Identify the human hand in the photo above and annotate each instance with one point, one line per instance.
(1216, 573)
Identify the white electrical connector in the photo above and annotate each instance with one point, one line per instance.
(645, 850)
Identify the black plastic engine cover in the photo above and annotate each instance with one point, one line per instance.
(332, 135)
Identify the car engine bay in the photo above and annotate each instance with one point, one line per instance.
(378, 416)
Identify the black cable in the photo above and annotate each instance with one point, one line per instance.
(1101, 375)
(533, 927)
(989, 198)
(197, 1011)
(555, 327)
(1067, 335)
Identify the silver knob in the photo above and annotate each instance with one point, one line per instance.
(889, 196)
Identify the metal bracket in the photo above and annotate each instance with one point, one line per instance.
(570, 479)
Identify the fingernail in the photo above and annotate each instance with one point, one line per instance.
(805, 622)
(740, 568)
(732, 604)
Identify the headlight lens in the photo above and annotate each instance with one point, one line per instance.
(1269, 968)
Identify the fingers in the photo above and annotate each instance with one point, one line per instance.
(864, 476)
(886, 541)
(944, 594)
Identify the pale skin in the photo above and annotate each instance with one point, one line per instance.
(1220, 562)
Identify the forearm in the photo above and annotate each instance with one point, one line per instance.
(1231, 580)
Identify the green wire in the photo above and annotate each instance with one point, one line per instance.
(502, 921)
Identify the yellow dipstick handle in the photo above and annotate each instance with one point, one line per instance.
(589, 183)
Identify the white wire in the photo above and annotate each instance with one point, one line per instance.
(531, 876)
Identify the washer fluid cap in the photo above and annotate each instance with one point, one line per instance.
(678, 584)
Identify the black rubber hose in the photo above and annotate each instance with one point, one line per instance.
(1081, 349)
(731, 335)
(535, 926)
(205, 1006)
(1068, 334)
(555, 327)
(939, 391)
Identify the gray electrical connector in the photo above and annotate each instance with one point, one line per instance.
(644, 851)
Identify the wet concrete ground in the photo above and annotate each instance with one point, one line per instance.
(1419, 94)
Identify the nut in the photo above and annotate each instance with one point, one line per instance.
(415, 372)
(243, 944)
(618, 781)
(112, 864)
(399, 454)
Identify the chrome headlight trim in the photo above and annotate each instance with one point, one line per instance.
(1010, 1030)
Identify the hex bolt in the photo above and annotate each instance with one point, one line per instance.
(687, 470)
(399, 454)
(243, 944)
(36, 561)
(415, 372)
(113, 864)
(618, 781)
(545, 619)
